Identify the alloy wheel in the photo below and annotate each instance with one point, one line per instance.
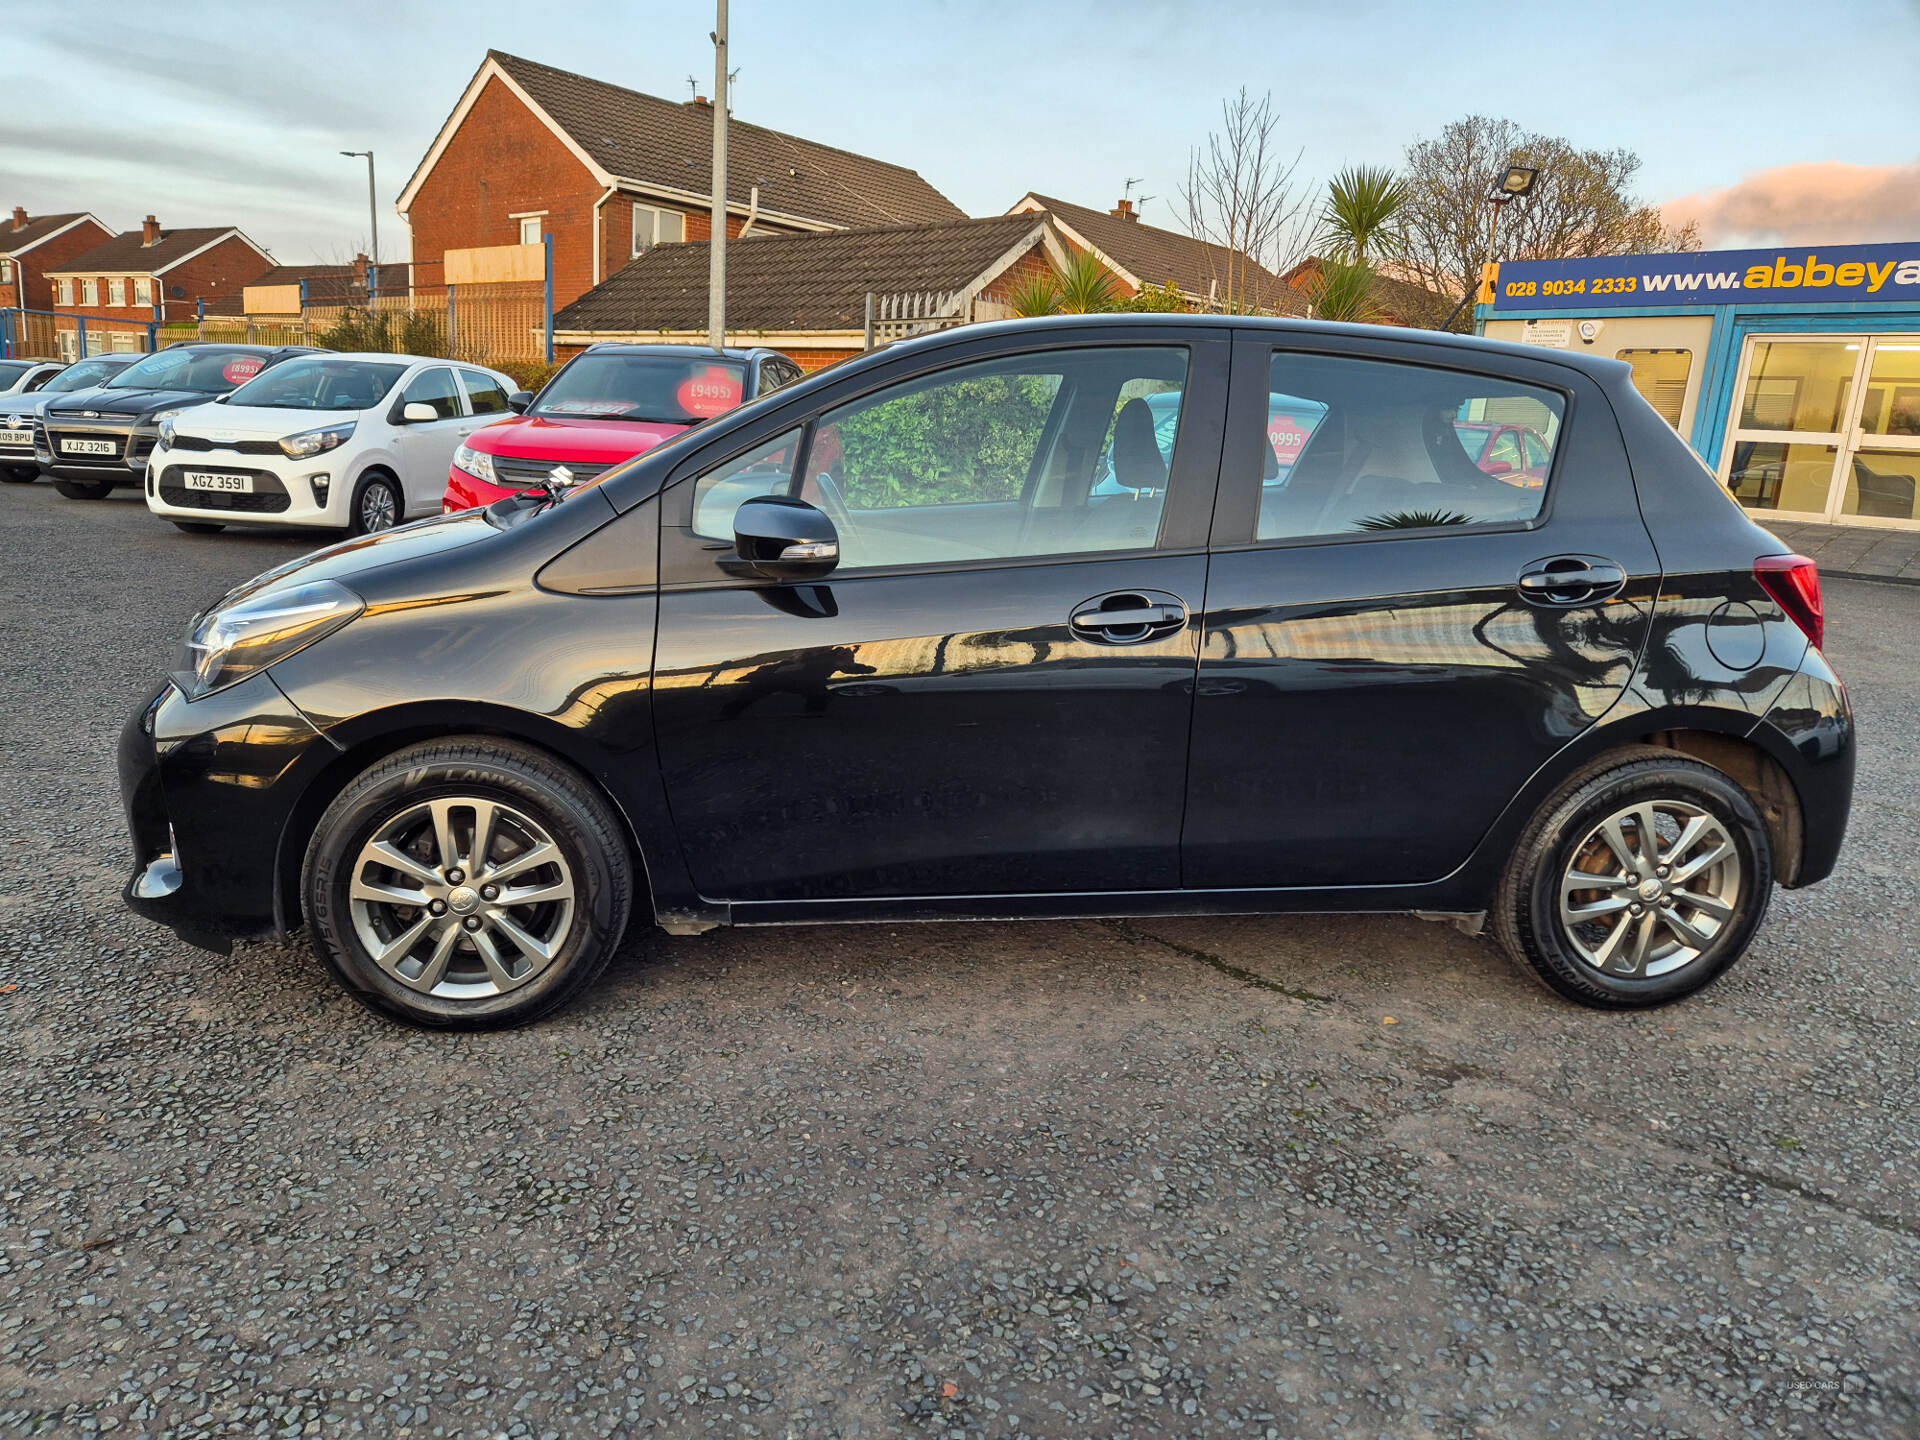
(461, 898)
(378, 509)
(1650, 889)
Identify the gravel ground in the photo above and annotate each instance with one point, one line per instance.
(1264, 1177)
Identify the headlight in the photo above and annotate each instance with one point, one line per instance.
(164, 419)
(476, 463)
(312, 442)
(229, 644)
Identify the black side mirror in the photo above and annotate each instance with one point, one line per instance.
(519, 400)
(781, 539)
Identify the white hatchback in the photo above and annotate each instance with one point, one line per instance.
(354, 442)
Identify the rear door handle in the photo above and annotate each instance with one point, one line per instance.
(1571, 580)
(1128, 619)
(1129, 616)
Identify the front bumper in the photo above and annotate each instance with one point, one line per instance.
(209, 787)
(284, 492)
(470, 492)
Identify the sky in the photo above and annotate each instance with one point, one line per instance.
(1766, 122)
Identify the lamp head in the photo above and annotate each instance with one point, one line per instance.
(1517, 181)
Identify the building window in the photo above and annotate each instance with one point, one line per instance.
(6, 271)
(1661, 378)
(143, 291)
(125, 342)
(116, 292)
(530, 229)
(89, 292)
(653, 226)
(63, 291)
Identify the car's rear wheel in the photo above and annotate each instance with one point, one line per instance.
(1643, 880)
(84, 489)
(376, 505)
(199, 527)
(467, 883)
(19, 474)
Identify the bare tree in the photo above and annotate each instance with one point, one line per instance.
(1240, 198)
(1581, 205)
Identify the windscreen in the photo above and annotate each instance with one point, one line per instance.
(211, 372)
(663, 389)
(10, 373)
(83, 376)
(320, 383)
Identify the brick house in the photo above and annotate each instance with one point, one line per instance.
(33, 245)
(151, 274)
(1139, 254)
(609, 173)
(276, 293)
(806, 295)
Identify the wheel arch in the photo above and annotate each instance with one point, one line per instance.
(382, 733)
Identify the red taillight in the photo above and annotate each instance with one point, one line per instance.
(1794, 581)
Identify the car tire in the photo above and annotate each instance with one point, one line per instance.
(1658, 922)
(425, 805)
(199, 527)
(370, 513)
(84, 489)
(19, 474)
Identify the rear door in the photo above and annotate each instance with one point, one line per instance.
(992, 694)
(1396, 640)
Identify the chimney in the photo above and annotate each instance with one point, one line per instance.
(19, 217)
(701, 102)
(150, 232)
(1124, 211)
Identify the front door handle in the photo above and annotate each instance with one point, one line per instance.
(1571, 580)
(1126, 617)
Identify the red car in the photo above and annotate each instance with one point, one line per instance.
(608, 404)
(1517, 454)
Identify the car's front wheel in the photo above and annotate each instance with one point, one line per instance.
(84, 489)
(467, 883)
(376, 505)
(1643, 880)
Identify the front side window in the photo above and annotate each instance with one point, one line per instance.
(653, 226)
(319, 383)
(1404, 447)
(434, 387)
(484, 393)
(1058, 453)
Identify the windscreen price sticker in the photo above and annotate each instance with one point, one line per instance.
(241, 369)
(712, 391)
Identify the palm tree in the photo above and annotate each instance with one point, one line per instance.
(1087, 286)
(1342, 290)
(1363, 213)
(1038, 294)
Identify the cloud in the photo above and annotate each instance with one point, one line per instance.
(1826, 202)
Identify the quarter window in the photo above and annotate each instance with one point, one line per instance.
(767, 470)
(434, 387)
(1402, 447)
(484, 393)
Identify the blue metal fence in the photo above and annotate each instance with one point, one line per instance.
(36, 334)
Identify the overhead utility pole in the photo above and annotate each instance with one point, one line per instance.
(717, 245)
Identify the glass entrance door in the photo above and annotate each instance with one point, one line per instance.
(1828, 428)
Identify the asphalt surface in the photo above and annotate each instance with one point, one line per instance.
(1263, 1177)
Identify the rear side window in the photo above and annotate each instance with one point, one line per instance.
(1380, 446)
(434, 387)
(484, 393)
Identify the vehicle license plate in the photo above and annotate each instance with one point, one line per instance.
(211, 480)
(16, 437)
(89, 447)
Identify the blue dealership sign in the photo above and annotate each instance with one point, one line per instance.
(1784, 275)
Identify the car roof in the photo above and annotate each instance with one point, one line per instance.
(625, 347)
(221, 347)
(1444, 344)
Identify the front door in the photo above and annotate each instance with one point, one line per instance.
(992, 693)
(426, 447)
(1400, 630)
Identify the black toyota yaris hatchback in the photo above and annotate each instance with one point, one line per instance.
(1093, 616)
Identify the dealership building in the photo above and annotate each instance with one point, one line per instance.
(1793, 371)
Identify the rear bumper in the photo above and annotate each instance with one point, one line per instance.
(1810, 731)
(209, 787)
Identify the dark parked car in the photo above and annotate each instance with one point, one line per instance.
(874, 647)
(95, 440)
(18, 412)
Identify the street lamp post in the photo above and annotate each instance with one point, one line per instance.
(373, 220)
(717, 240)
(1516, 182)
